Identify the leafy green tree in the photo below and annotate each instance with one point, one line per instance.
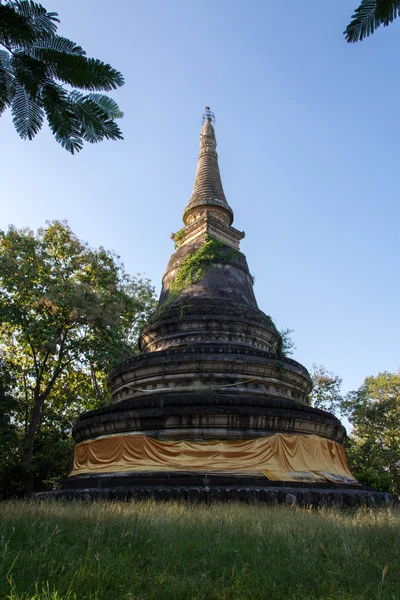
(74, 393)
(326, 393)
(69, 313)
(374, 411)
(39, 74)
(370, 15)
(365, 465)
(287, 345)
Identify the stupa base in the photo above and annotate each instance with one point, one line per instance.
(215, 487)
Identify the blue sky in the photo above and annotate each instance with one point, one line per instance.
(308, 141)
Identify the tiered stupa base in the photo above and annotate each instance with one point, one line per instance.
(212, 410)
(120, 447)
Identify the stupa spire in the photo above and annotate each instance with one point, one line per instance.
(208, 212)
(208, 190)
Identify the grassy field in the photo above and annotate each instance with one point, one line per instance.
(137, 551)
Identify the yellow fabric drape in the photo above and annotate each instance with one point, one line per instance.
(283, 457)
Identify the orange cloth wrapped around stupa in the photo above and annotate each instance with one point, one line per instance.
(283, 457)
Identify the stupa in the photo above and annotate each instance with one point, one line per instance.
(211, 409)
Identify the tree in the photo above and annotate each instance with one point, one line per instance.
(39, 74)
(374, 411)
(326, 392)
(10, 435)
(287, 345)
(370, 15)
(69, 313)
(366, 466)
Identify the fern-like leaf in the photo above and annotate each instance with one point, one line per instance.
(81, 72)
(363, 22)
(61, 117)
(57, 43)
(35, 61)
(27, 113)
(387, 11)
(29, 72)
(43, 22)
(109, 106)
(370, 15)
(7, 81)
(94, 122)
(14, 28)
(5, 58)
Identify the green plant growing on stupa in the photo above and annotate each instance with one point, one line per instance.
(287, 345)
(193, 268)
(178, 237)
(269, 320)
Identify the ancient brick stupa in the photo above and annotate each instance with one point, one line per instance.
(211, 408)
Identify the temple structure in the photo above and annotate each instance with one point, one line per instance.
(211, 408)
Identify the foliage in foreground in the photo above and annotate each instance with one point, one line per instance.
(370, 15)
(39, 71)
(180, 551)
(69, 313)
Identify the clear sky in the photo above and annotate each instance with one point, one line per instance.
(308, 141)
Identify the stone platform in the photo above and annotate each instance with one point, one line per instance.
(208, 488)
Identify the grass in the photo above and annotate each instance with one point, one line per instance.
(144, 550)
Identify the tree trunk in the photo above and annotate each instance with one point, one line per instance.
(27, 455)
(95, 383)
(33, 427)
